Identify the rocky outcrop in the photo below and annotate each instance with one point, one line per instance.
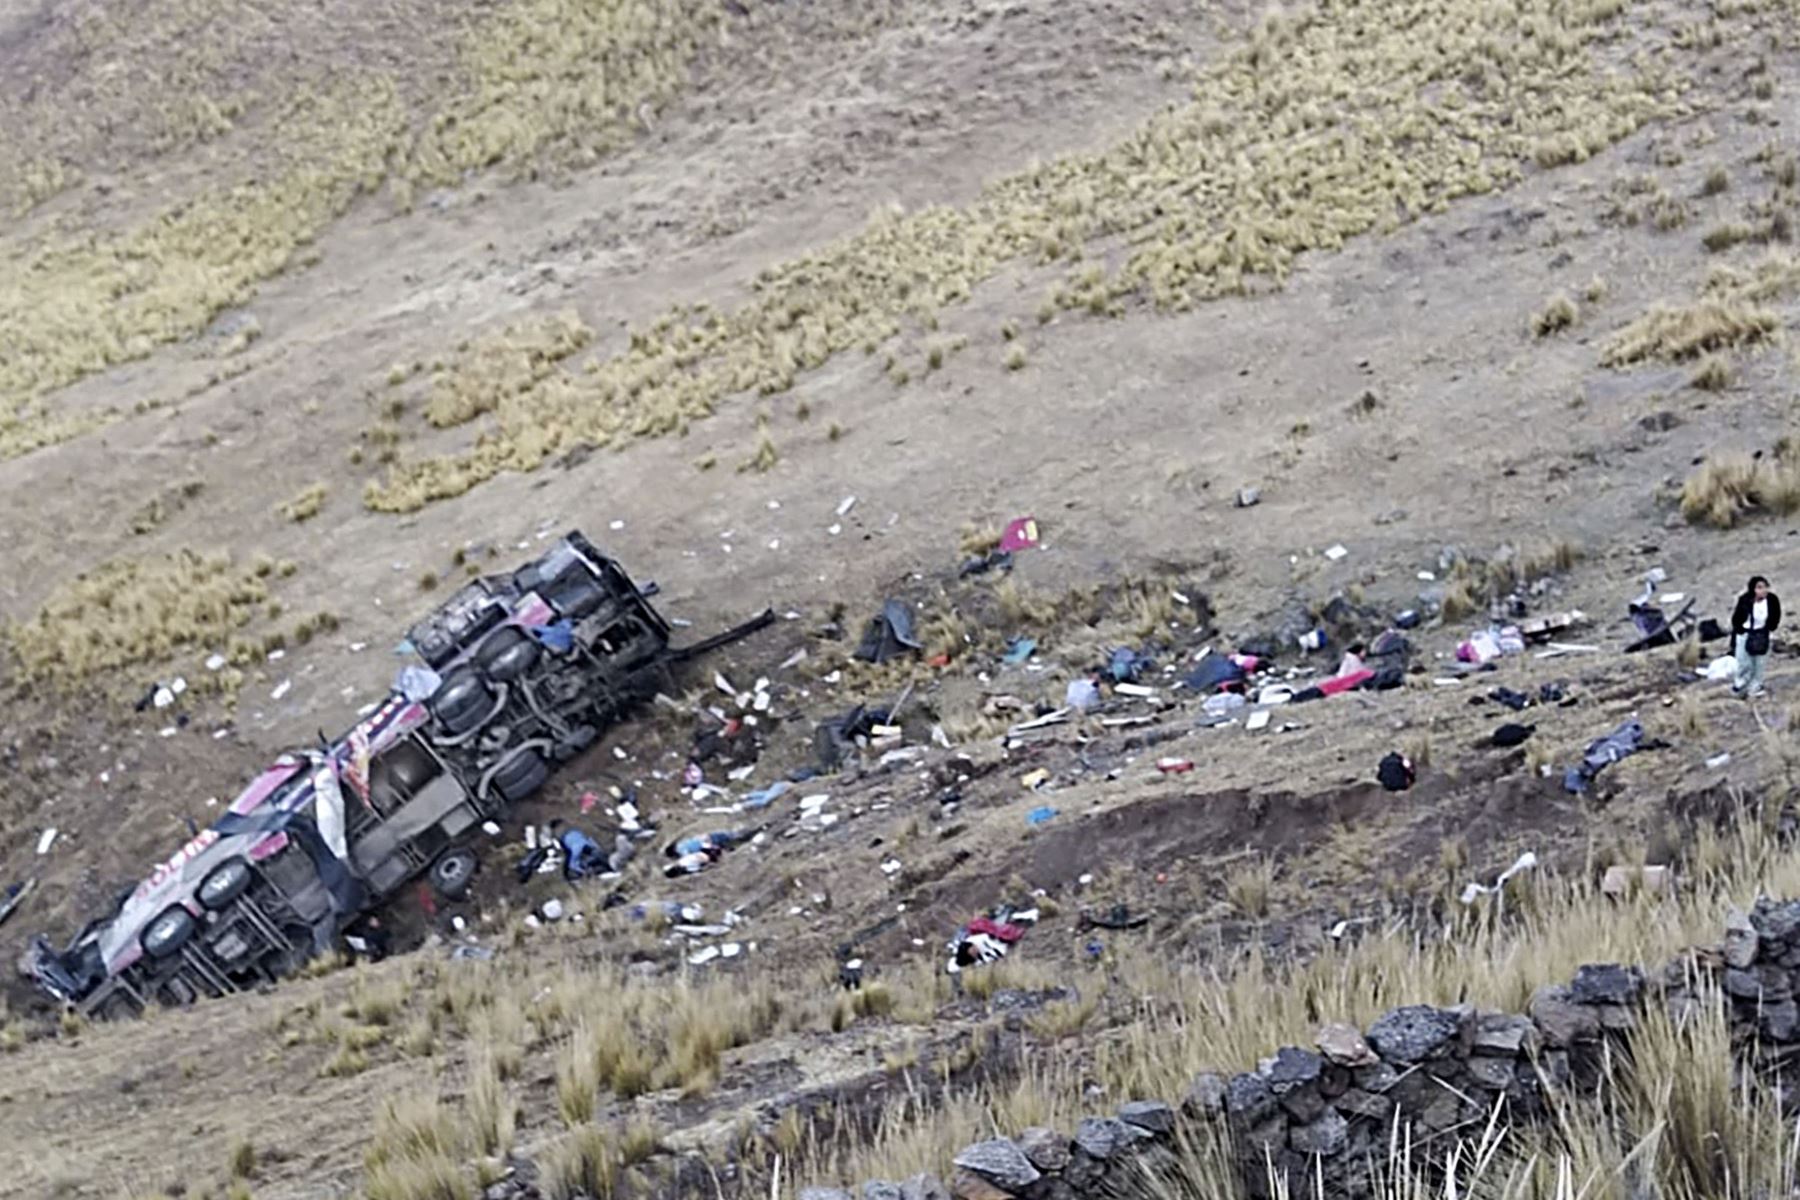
(1323, 1112)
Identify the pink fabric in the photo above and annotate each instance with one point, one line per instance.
(1021, 534)
(1344, 683)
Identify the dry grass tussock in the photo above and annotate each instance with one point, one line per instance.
(1731, 313)
(129, 612)
(1321, 109)
(306, 505)
(1722, 491)
(538, 79)
(1680, 334)
(604, 1033)
(418, 1152)
(1559, 314)
(517, 358)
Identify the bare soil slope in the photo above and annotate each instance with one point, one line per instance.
(307, 312)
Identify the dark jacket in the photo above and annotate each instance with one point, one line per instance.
(1740, 616)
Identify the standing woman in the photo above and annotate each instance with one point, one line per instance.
(1757, 615)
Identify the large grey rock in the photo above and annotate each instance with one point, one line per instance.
(1205, 1097)
(1778, 1021)
(1325, 1136)
(1776, 921)
(1415, 1033)
(824, 1193)
(881, 1189)
(1103, 1138)
(1047, 1149)
(1377, 1078)
(1777, 984)
(1489, 1072)
(924, 1187)
(1085, 1175)
(1504, 1033)
(1291, 1067)
(1268, 1134)
(1563, 1022)
(1248, 1099)
(1303, 1104)
(1000, 1162)
(1444, 1112)
(1617, 1018)
(1606, 983)
(1358, 1103)
(1345, 1045)
(1741, 939)
(968, 1185)
(1743, 984)
(1152, 1116)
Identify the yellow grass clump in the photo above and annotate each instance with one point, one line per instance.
(1559, 314)
(503, 364)
(1722, 491)
(132, 612)
(418, 1152)
(1679, 334)
(1731, 313)
(306, 505)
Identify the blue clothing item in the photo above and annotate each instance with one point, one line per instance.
(581, 854)
(1126, 665)
(1601, 753)
(1019, 650)
(718, 840)
(558, 636)
(768, 795)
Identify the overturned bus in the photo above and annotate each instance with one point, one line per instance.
(519, 673)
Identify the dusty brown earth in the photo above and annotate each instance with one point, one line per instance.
(1390, 397)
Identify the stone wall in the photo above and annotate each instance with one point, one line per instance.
(1331, 1108)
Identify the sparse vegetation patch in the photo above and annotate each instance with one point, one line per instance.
(1194, 189)
(129, 612)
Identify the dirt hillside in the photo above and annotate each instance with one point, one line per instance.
(308, 313)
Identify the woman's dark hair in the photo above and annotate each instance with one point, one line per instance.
(1750, 588)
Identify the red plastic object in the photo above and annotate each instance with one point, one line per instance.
(1175, 766)
(1021, 534)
